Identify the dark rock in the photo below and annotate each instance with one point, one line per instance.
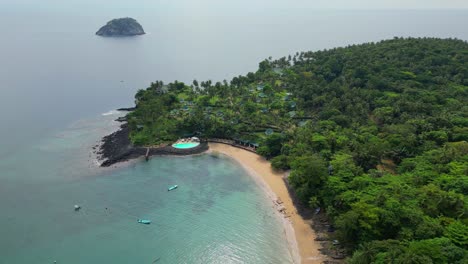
(339, 256)
(121, 119)
(117, 147)
(321, 238)
(121, 27)
(127, 109)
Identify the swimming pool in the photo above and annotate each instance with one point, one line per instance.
(186, 145)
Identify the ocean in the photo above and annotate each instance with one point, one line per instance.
(59, 84)
(217, 215)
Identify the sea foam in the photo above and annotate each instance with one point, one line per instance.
(112, 112)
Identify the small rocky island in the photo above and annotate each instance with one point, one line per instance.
(121, 27)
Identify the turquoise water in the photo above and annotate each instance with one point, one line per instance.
(185, 145)
(216, 215)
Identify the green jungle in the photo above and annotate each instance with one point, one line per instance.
(374, 134)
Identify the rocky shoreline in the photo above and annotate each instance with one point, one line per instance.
(320, 223)
(127, 109)
(117, 147)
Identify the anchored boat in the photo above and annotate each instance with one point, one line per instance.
(145, 222)
(173, 187)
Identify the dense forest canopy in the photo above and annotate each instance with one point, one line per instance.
(375, 134)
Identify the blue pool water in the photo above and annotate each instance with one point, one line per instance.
(186, 145)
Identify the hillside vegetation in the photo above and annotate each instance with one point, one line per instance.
(374, 134)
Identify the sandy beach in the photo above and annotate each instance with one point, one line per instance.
(299, 233)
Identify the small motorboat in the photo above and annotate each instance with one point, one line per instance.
(145, 222)
(173, 187)
(77, 207)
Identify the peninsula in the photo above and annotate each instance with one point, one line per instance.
(121, 27)
(372, 139)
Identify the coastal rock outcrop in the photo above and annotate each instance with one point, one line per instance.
(117, 147)
(121, 27)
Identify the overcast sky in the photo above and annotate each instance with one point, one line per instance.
(387, 3)
(304, 5)
(241, 5)
(361, 4)
(335, 4)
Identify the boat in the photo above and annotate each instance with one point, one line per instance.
(77, 207)
(145, 222)
(173, 187)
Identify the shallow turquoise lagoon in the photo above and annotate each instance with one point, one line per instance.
(216, 215)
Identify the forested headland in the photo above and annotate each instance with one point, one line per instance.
(374, 134)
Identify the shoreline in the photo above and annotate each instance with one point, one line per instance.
(304, 241)
(299, 234)
(117, 147)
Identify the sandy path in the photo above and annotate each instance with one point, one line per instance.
(300, 235)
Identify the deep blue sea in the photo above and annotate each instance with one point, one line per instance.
(59, 83)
